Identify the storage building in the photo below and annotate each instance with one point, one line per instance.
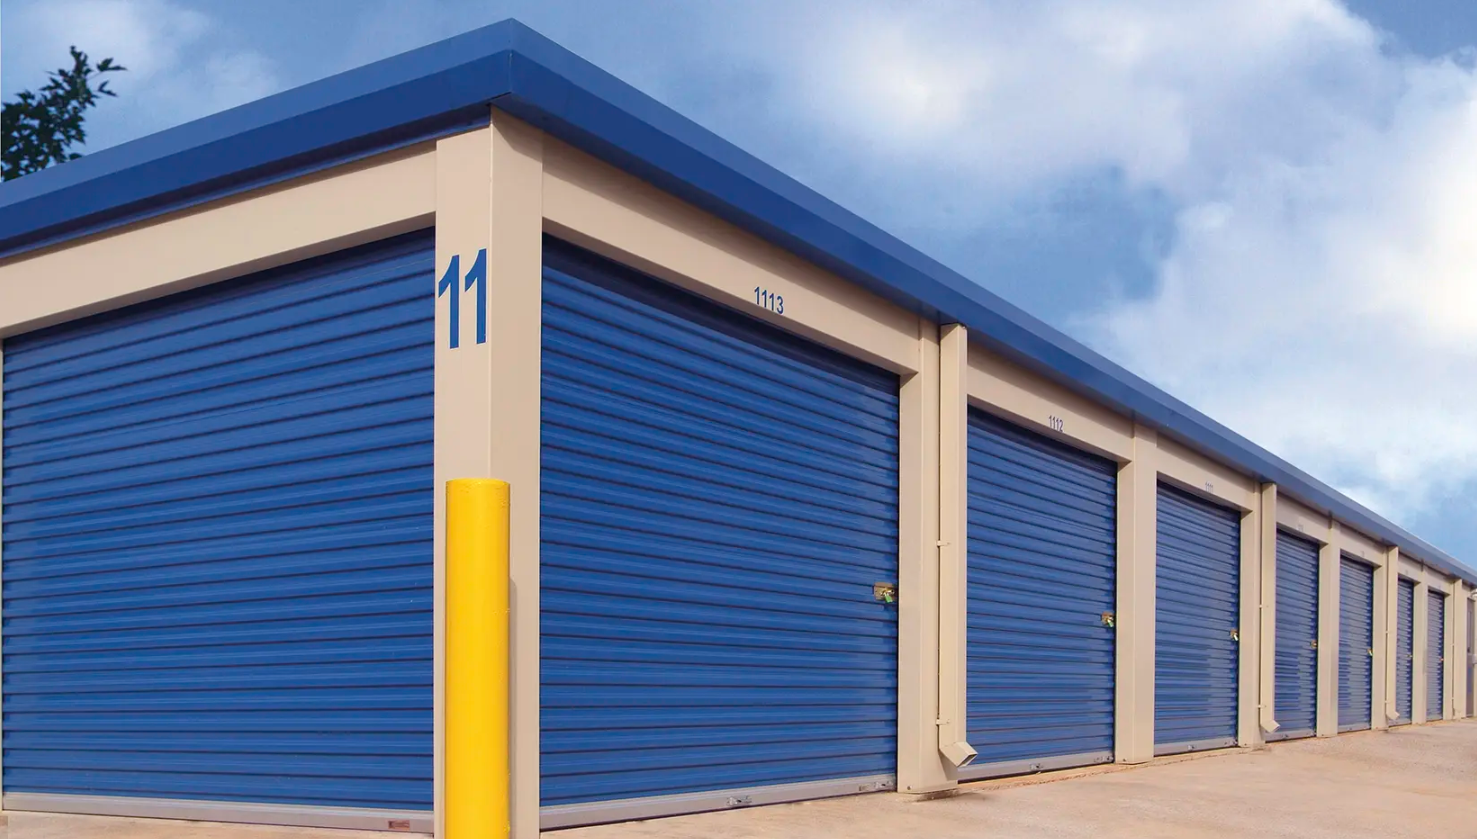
(796, 511)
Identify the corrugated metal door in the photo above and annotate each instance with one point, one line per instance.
(1404, 651)
(1042, 556)
(1356, 644)
(217, 547)
(1296, 663)
(718, 500)
(1435, 655)
(1197, 637)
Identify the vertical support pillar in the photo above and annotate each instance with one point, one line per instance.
(1421, 613)
(1138, 485)
(1457, 665)
(489, 188)
(1328, 634)
(514, 330)
(1380, 665)
(463, 402)
(920, 767)
(1248, 649)
(1455, 618)
(1267, 669)
(1387, 710)
(953, 548)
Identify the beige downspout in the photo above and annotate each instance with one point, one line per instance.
(953, 544)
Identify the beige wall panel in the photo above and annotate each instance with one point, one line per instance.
(1138, 488)
(1294, 517)
(1356, 544)
(273, 226)
(1026, 399)
(920, 768)
(601, 208)
(1410, 569)
(1202, 476)
(1437, 580)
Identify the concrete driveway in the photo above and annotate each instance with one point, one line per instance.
(1416, 782)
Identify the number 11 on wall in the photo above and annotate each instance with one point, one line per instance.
(477, 276)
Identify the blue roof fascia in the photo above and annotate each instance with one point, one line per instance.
(447, 86)
(405, 99)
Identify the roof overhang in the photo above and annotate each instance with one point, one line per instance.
(448, 87)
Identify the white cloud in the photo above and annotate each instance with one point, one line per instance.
(1328, 309)
(1320, 291)
(1022, 96)
(181, 65)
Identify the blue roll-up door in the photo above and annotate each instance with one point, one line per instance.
(1435, 655)
(217, 544)
(1356, 644)
(1197, 623)
(1404, 652)
(1295, 681)
(719, 499)
(1042, 555)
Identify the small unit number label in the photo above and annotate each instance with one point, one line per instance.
(1056, 423)
(766, 299)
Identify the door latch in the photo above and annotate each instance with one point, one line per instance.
(1236, 635)
(1313, 643)
(884, 592)
(1370, 650)
(1109, 619)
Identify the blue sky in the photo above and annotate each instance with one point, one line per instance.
(1266, 206)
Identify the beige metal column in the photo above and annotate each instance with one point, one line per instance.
(953, 547)
(1267, 669)
(1392, 632)
(1248, 650)
(1457, 661)
(514, 330)
(1328, 634)
(1138, 483)
(920, 767)
(1421, 613)
(1455, 618)
(463, 402)
(1380, 666)
(489, 187)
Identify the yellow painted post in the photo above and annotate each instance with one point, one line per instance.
(477, 786)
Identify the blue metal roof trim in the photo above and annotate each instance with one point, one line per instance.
(402, 99)
(523, 73)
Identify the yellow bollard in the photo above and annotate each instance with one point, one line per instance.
(477, 788)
